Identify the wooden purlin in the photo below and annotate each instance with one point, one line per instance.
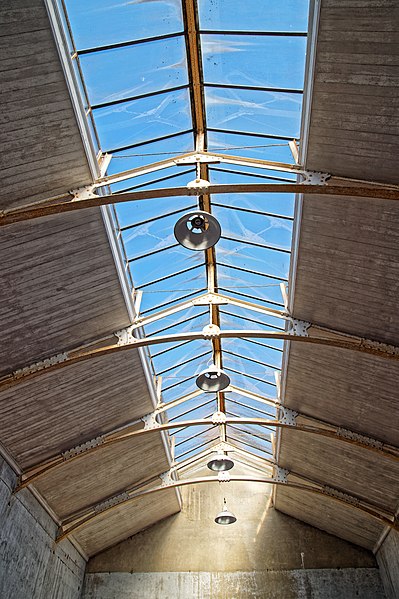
(193, 46)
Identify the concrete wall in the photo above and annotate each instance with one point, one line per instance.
(31, 565)
(388, 561)
(295, 584)
(265, 554)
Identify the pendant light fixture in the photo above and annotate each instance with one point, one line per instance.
(225, 517)
(197, 230)
(220, 462)
(212, 379)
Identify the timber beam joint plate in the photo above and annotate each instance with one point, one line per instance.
(280, 475)
(209, 299)
(315, 178)
(84, 193)
(125, 336)
(299, 327)
(43, 364)
(150, 421)
(223, 477)
(197, 159)
(166, 479)
(218, 418)
(340, 495)
(211, 331)
(70, 453)
(199, 186)
(347, 434)
(378, 347)
(105, 505)
(288, 416)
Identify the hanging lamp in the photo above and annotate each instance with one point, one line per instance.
(220, 462)
(212, 379)
(225, 517)
(197, 230)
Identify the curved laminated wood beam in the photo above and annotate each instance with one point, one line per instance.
(318, 490)
(148, 426)
(8, 217)
(303, 332)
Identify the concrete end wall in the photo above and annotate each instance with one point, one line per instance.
(265, 554)
(360, 583)
(32, 566)
(388, 561)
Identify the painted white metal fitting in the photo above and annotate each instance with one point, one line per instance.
(218, 418)
(211, 330)
(197, 158)
(150, 421)
(288, 416)
(125, 336)
(224, 477)
(84, 193)
(281, 475)
(21, 372)
(315, 178)
(299, 327)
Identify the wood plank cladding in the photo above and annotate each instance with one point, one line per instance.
(345, 388)
(354, 121)
(43, 153)
(348, 266)
(126, 520)
(348, 468)
(329, 515)
(98, 475)
(60, 410)
(59, 287)
(348, 270)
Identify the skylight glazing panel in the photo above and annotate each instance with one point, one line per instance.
(255, 436)
(250, 382)
(246, 411)
(130, 213)
(180, 322)
(249, 368)
(180, 380)
(251, 403)
(263, 204)
(187, 447)
(249, 146)
(170, 177)
(254, 15)
(274, 62)
(275, 113)
(120, 73)
(165, 149)
(140, 120)
(179, 354)
(234, 317)
(253, 257)
(249, 283)
(171, 289)
(100, 22)
(196, 410)
(272, 357)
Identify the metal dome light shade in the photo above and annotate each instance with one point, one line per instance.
(197, 230)
(225, 517)
(212, 379)
(220, 463)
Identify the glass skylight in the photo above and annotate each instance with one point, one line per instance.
(143, 97)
